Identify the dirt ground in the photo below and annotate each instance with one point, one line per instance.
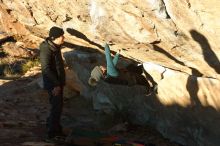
(24, 107)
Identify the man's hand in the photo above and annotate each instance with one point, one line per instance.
(56, 90)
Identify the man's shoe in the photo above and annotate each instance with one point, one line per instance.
(56, 139)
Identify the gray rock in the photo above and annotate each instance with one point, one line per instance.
(180, 118)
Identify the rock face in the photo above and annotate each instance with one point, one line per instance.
(188, 103)
(182, 108)
(180, 35)
(177, 41)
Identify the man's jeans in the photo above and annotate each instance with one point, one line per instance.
(53, 121)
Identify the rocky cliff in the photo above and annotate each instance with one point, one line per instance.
(177, 41)
(181, 35)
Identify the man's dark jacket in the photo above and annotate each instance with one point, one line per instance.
(52, 65)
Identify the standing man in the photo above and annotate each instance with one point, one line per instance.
(53, 78)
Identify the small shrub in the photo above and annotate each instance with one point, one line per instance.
(8, 71)
(15, 67)
(2, 54)
(2, 66)
(29, 64)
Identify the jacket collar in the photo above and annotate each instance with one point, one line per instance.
(53, 47)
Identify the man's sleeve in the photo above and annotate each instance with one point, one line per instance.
(45, 56)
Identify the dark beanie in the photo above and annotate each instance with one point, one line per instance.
(55, 32)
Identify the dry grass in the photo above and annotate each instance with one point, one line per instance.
(30, 64)
(16, 67)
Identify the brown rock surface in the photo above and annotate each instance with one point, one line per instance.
(180, 102)
(180, 36)
(186, 32)
(24, 108)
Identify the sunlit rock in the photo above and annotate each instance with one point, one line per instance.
(177, 41)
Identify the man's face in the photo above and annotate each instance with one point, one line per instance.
(62, 40)
(59, 40)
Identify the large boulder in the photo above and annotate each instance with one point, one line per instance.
(188, 109)
(184, 108)
(178, 34)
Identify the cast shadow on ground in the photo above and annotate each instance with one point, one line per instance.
(209, 55)
(195, 72)
(196, 115)
(205, 112)
(192, 84)
(79, 47)
(211, 59)
(80, 35)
